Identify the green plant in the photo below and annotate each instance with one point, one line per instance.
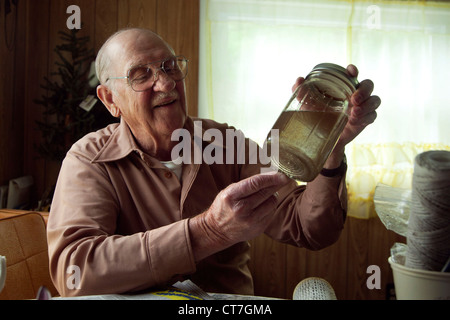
(64, 120)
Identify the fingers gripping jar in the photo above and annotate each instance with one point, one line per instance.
(311, 123)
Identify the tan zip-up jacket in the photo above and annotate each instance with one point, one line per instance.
(119, 217)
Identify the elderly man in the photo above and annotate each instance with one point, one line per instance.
(125, 217)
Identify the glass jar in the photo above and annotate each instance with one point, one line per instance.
(312, 122)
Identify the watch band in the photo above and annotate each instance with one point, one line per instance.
(339, 171)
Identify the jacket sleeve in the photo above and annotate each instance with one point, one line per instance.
(87, 257)
(311, 216)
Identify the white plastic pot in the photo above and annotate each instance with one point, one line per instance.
(415, 284)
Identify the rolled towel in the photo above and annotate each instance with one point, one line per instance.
(428, 234)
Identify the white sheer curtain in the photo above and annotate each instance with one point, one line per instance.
(252, 52)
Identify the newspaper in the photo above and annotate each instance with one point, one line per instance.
(186, 290)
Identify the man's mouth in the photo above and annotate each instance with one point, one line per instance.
(165, 103)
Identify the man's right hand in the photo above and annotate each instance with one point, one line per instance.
(240, 212)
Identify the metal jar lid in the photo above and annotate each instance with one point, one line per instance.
(337, 71)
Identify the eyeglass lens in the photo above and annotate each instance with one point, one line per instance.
(143, 77)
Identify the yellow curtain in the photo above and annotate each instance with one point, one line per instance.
(390, 164)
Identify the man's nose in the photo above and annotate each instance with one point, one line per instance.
(163, 82)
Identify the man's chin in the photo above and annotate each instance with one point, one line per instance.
(171, 120)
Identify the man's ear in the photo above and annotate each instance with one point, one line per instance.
(106, 96)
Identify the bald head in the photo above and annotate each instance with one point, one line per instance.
(119, 46)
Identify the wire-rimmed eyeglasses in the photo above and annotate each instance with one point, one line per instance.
(143, 77)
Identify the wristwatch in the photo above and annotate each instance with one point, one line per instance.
(339, 171)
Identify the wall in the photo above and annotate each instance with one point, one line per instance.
(277, 268)
(32, 57)
(11, 108)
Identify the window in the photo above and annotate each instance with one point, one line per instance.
(252, 52)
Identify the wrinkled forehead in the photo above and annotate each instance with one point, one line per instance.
(137, 47)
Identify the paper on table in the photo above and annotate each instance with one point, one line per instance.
(185, 290)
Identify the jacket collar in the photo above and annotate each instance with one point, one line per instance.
(121, 143)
